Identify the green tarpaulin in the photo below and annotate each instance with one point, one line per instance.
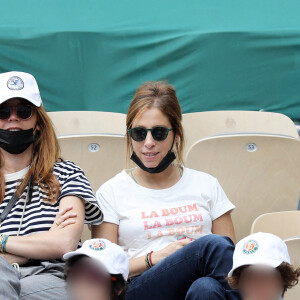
(92, 55)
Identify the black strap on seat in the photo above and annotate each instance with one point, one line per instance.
(12, 202)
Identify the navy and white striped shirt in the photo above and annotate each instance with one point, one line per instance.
(39, 215)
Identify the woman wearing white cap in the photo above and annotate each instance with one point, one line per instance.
(262, 268)
(163, 214)
(44, 201)
(97, 271)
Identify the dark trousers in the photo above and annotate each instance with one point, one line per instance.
(196, 271)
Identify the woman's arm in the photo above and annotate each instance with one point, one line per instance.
(52, 244)
(15, 259)
(224, 226)
(107, 231)
(137, 265)
(64, 217)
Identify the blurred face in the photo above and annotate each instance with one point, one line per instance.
(260, 283)
(17, 119)
(87, 280)
(150, 151)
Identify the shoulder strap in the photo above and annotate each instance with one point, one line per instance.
(13, 201)
(8, 207)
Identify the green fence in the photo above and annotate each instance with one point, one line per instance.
(92, 55)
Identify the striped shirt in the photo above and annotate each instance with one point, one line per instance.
(36, 215)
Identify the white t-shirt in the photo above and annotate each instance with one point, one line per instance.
(150, 219)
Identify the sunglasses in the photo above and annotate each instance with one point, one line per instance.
(159, 133)
(23, 111)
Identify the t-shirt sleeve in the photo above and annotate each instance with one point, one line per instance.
(74, 183)
(220, 204)
(106, 201)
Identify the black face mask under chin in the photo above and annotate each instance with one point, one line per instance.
(166, 161)
(16, 142)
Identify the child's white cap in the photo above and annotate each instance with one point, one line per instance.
(111, 256)
(19, 85)
(260, 249)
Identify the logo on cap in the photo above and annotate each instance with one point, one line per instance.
(98, 245)
(15, 83)
(250, 247)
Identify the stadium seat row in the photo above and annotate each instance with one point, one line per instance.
(286, 225)
(254, 155)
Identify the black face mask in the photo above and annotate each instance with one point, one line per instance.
(166, 161)
(16, 142)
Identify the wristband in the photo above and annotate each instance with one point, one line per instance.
(3, 241)
(148, 260)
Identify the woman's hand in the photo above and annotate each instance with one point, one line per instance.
(64, 218)
(170, 249)
(15, 259)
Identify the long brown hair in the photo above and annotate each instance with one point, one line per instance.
(46, 152)
(160, 95)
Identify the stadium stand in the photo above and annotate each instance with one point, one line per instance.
(259, 173)
(104, 131)
(204, 124)
(293, 247)
(285, 224)
(95, 141)
(88, 122)
(100, 156)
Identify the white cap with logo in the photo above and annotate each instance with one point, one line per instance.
(260, 249)
(19, 85)
(111, 256)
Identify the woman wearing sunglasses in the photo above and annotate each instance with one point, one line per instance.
(44, 201)
(173, 222)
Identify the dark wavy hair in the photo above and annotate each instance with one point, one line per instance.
(289, 276)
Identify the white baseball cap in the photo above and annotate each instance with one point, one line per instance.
(260, 249)
(111, 256)
(19, 85)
